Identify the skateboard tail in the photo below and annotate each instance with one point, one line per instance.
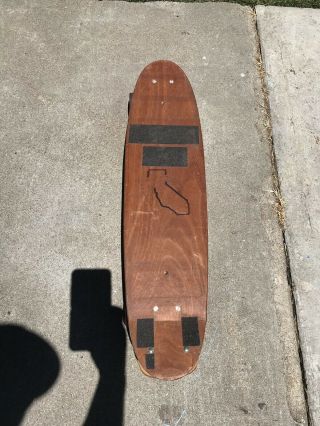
(165, 349)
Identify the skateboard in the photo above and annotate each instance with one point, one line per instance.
(165, 243)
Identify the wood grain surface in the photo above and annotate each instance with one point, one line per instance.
(165, 244)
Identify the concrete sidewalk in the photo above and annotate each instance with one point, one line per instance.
(66, 75)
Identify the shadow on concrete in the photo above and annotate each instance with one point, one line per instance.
(96, 326)
(29, 366)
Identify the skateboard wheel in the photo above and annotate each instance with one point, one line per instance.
(129, 101)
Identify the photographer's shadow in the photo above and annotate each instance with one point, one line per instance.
(29, 366)
(96, 326)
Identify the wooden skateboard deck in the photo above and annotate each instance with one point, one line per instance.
(165, 243)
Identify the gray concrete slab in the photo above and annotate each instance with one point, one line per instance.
(290, 40)
(66, 74)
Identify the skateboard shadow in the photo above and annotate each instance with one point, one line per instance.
(96, 326)
(29, 366)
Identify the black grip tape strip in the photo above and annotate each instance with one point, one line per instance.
(162, 134)
(165, 157)
(190, 331)
(150, 361)
(145, 333)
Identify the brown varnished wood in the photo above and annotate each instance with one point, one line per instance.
(165, 226)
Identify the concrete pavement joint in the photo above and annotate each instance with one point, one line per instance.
(294, 309)
(279, 203)
(276, 191)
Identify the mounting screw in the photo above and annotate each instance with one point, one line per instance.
(178, 308)
(156, 308)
